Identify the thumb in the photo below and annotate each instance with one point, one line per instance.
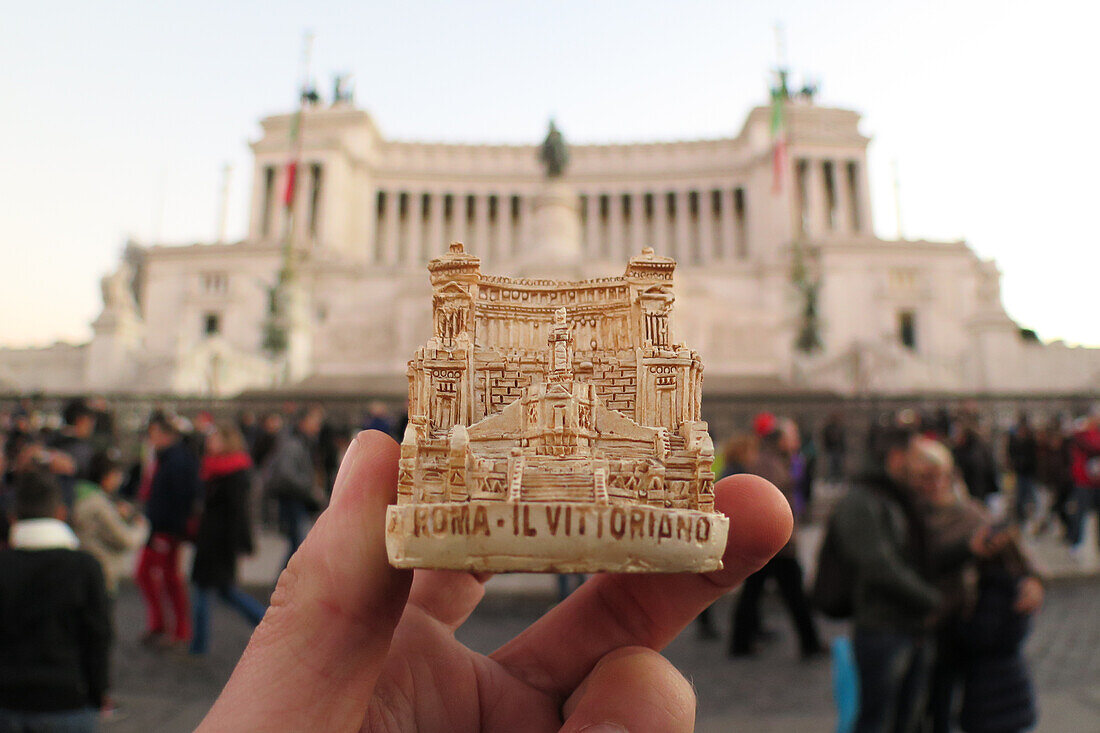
(314, 659)
(631, 689)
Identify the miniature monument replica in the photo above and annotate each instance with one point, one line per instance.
(554, 427)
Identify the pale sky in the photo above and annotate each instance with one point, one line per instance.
(117, 117)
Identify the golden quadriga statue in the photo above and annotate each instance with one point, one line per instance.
(554, 427)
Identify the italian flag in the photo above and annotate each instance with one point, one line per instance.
(292, 167)
(779, 132)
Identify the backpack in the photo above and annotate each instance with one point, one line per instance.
(834, 582)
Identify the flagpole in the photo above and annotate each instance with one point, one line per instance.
(223, 204)
(278, 324)
(897, 195)
(780, 46)
(295, 154)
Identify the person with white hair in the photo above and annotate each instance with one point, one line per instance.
(989, 590)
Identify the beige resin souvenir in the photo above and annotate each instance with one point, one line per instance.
(554, 427)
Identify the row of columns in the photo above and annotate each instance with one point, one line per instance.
(269, 212)
(832, 197)
(714, 233)
(425, 230)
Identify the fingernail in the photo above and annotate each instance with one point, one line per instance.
(350, 455)
(603, 728)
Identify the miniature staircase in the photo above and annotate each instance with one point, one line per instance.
(558, 479)
(680, 465)
(515, 481)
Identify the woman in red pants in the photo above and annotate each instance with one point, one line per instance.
(173, 492)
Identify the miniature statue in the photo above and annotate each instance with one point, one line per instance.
(554, 427)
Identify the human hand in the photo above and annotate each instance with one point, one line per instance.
(1029, 595)
(978, 542)
(988, 542)
(351, 643)
(61, 463)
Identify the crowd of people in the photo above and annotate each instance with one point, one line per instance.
(923, 553)
(74, 512)
(923, 516)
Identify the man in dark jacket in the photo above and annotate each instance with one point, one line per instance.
(54, 619)
(1023, 454)
(977, 464)
(172, 498)
(294, 477)
(881, 535)
(75, 437)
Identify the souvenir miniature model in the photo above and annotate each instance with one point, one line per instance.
(554, 427)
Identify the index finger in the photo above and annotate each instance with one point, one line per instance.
(610, 611)
(313, 661)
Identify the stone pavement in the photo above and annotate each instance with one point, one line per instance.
(774, 691)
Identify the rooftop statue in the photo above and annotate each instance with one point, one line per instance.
(117, 289)
(554, 153)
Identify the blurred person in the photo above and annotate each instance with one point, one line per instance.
(998, 694)
(67, 449)
(249, 427)
(173, 492)
(400, 423)
(75, 437)
(54, 619)
(332, 441)
(7, 500)
(973, 559)
(773, 462)
(881, 536)
(977, 464)
(195, 437)
(1055, 461)
(107, 527)
(262, 452)
(270, 429)
(941, 424)
(1085, 469)
(834, 444)
(878, 428)
(294, 477)
(738, 453)
(378, 418)
(1023, 457)
(20, 431)
(32, 455)
(353, 643)
(104, 433)
(224, 533)
(804, 473)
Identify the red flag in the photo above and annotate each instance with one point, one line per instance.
(291, 175)
(779, 163)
